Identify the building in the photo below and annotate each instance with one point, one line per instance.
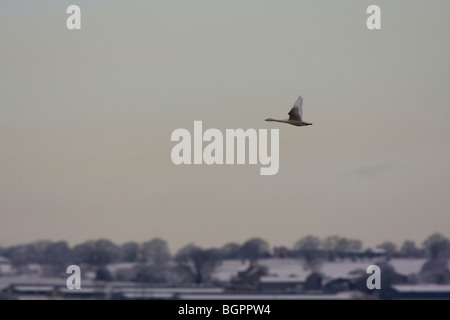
(247, 279)
(282, 252)
(338, 285)
(416, 291)
(275, 284)
(6, 267)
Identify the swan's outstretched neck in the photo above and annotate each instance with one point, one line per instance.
(270, 119)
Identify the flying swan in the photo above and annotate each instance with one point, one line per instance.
(295, 115)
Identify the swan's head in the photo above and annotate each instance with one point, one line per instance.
(269, 119)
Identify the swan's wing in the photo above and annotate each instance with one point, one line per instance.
(296, 112)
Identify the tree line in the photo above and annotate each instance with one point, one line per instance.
(152, 261)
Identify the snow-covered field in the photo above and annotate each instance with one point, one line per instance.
(293, 268)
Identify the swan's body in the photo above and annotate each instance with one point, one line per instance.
(295, 115)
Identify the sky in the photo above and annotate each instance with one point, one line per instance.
(86, 118)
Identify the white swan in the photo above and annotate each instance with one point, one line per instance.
(295, 115)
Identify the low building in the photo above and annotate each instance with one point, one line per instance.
(247, 279)
(282, 253)
(31, 291)
(6, 267)
(416, 291)
(313, 282)
(338, 285)
(277, 284)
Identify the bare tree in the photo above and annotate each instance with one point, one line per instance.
(129, 252)
(81, 253)
(155, 252)
(254, 249)
(196, 264)
(22, 255)
(409, 250)
(335, 245)
(437, 246)
(104, 252)
(436, 270)
(56, 257)
(310, 250)
(96, 253)
(230, 251)
(389, 247)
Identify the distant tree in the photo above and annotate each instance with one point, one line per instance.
(96, 253)
(81, 253)
(57, 253)
(56, 257)
(24, 254)
(310, 250)
(335, 245)
(103, 274)
(435, 271)
(437, 246)
(155, 252)
(354, 244)
(409, 250)
(36, 250)
(389, 275)
(254, 249)
(129, 252)
(389, 247)
(230, 251)
(308, 243)
(196, 264)
(104, 252)
(18, 257)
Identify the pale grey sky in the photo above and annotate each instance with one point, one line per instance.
(86, 118)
